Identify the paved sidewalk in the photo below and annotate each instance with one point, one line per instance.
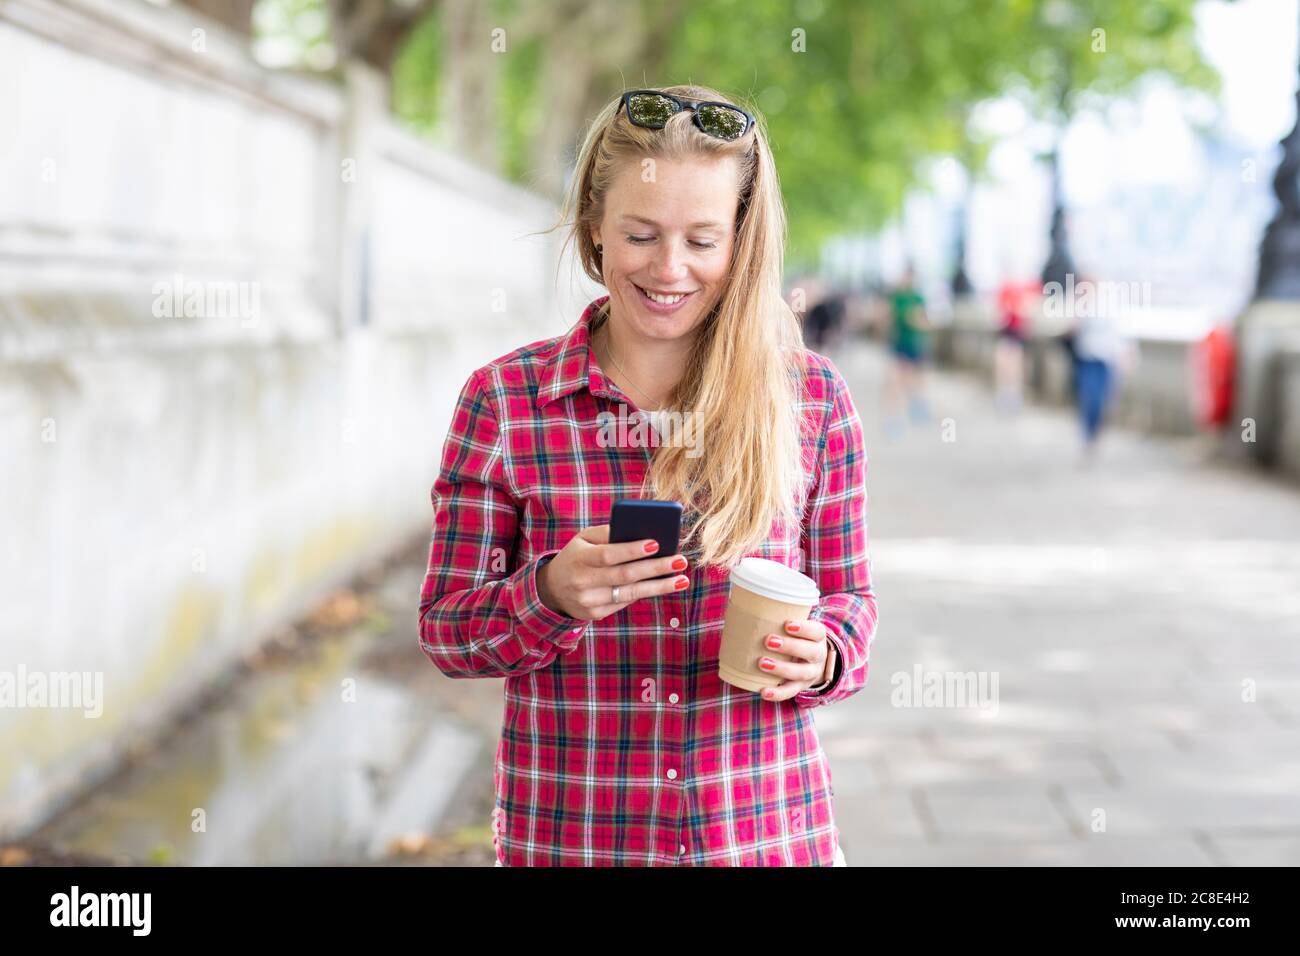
(1126, 610)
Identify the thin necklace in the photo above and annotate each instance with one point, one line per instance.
(609, 347)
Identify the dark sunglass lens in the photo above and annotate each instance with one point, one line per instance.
(646, 109)
(722, 122)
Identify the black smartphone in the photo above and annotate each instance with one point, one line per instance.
(632, 519)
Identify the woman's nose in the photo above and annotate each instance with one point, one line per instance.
(669, 265)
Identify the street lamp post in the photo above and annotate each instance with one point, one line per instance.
(1279, 251)
(1060, 263)
(1268, 333)
(960, 283)
(1063, 17)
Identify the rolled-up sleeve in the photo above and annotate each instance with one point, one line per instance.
(835, 547)
(480, 611)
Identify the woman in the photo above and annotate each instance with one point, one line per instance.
(1009, 352)
(1102, 354)
(620, 745)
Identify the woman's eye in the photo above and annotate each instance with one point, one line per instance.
(642, 240)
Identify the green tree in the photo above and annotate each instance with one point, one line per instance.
(855, 92)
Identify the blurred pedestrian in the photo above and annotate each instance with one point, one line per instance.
(1009, 351)
(825, 321)
(909, 344)
(1102, 353)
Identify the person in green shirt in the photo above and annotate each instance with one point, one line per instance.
(909, 341)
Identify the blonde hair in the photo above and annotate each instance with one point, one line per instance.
(746, 373)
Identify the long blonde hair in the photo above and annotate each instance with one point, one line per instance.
(746, 373)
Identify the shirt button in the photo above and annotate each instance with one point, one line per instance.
(681, 850)
(674, 622)
(672, 698)
(672, 774)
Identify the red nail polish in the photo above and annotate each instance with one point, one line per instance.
(651, 546)
(792, 626)
(773, 641)
(681, 583)
(767, 663)
(679, 564)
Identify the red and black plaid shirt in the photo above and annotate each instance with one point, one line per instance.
(620, 745)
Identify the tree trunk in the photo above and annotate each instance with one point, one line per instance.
(470, 74)
(373, 30)
(235, 14)
(580, 78)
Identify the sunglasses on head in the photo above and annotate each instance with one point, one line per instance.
(652, 108)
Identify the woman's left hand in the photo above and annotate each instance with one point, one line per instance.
(814, 655)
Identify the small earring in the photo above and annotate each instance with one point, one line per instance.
(599, 247)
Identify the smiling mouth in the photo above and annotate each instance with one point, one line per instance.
(663, 298)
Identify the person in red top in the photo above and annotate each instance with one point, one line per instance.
(1014, 300)
(620, 745)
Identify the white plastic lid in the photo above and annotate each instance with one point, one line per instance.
(774, 580)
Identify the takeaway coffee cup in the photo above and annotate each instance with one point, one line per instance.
(764, 595)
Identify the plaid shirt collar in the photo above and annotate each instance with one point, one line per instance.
(571, 366)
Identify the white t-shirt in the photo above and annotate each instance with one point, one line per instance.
(1100, 337)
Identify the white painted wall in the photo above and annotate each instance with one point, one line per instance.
(174, 485)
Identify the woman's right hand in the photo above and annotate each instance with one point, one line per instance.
(579, 581)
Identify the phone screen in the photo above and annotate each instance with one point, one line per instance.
(632, 519)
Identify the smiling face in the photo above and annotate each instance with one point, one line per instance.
(667, 243)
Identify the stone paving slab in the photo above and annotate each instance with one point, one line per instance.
(1242, 770)
(1024, 767)
(1166, 809)
(1089, 852)
(890, 817)
(1257, 851)
(1014, 809)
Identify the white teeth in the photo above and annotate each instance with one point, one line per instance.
(664, 299)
